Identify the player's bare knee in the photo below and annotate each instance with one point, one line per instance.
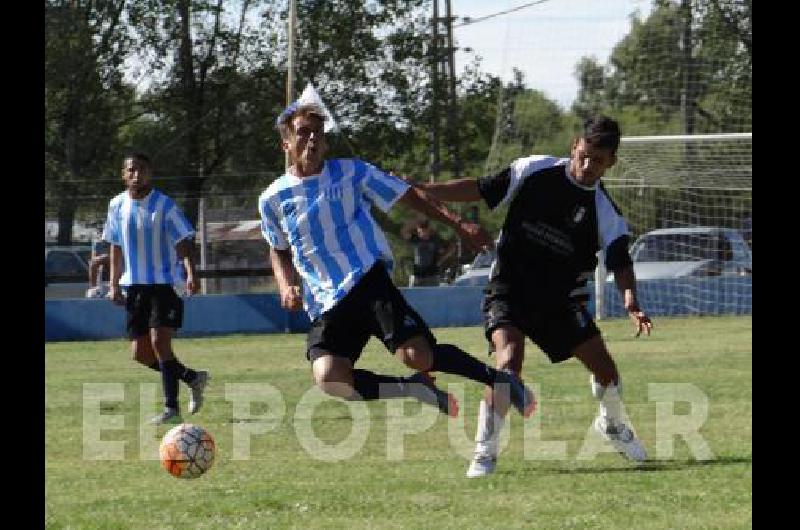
(416, 354)
(333, 385)
(333, 376)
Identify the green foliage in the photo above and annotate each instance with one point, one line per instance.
(86, 102)
(651, 73)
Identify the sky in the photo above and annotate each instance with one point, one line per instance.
(545, 41)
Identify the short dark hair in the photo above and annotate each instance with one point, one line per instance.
(139, 156)
(602, 132)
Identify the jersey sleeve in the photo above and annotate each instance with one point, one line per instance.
(111, 230)
(500, 188)
(178, 227)
(613, 231)
(381, 189)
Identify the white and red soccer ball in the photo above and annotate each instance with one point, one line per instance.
(187, 451)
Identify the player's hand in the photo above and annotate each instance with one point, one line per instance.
(291, 299)
(639, 317)
(192, 286)
(475, 236)
(115, 295)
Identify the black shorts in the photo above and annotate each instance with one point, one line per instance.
(557, 328)
(152, 306)
(374, 307)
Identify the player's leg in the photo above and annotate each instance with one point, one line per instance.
(607, 389)
(143, 353)
(333, 375)
(508, 343)
(138, 306)
(416, 353)
(509, 348)
(334, 344)
(405, 333)
(166, 316)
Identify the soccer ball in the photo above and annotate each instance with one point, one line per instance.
(187, 451)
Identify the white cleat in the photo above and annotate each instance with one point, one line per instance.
(621, 437)
(482, 464)
(196, 390)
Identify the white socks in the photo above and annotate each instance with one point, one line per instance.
(610, 399)
(487, 435)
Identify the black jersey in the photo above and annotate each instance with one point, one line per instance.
(553, 229)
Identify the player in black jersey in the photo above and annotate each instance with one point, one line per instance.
(559, 216)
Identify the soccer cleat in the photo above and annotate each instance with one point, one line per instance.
(621, 437)
(433, 395)
(169, 416)
(482, 464)
(521, 396)
(197, 387)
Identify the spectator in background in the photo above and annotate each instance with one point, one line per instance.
(429, 253)
(99, 267)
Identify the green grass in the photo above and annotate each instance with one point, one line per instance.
(282, 486)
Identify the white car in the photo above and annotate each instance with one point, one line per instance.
(696, 251)
(477, 273)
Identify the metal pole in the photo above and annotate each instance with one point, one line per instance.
(291, 60)
(452, 107)
(203, 242)
(435, 90)
(287, 327)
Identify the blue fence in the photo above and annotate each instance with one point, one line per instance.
(78, 319)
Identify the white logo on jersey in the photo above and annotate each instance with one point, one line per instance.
(580, 211)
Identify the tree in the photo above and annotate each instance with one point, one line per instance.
(85, 101)
(206, 84)
(652, 70)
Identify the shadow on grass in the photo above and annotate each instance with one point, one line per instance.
(647, 465)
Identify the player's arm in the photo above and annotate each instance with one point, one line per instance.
(115, 293)
(286, 278)
(619, 261)
(459, 190)
(421, 200)
(185, 250)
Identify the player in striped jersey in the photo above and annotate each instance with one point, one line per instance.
(148, 235)
(317, 221)
(559, 216)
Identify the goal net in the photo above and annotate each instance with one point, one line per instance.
(688, 203)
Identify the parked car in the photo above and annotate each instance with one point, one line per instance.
(696, 251)
(66, 271)
(477, 273)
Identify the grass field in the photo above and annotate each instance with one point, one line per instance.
(282, 486)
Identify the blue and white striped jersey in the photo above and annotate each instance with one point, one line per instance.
(325, 219)
(147, 230)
